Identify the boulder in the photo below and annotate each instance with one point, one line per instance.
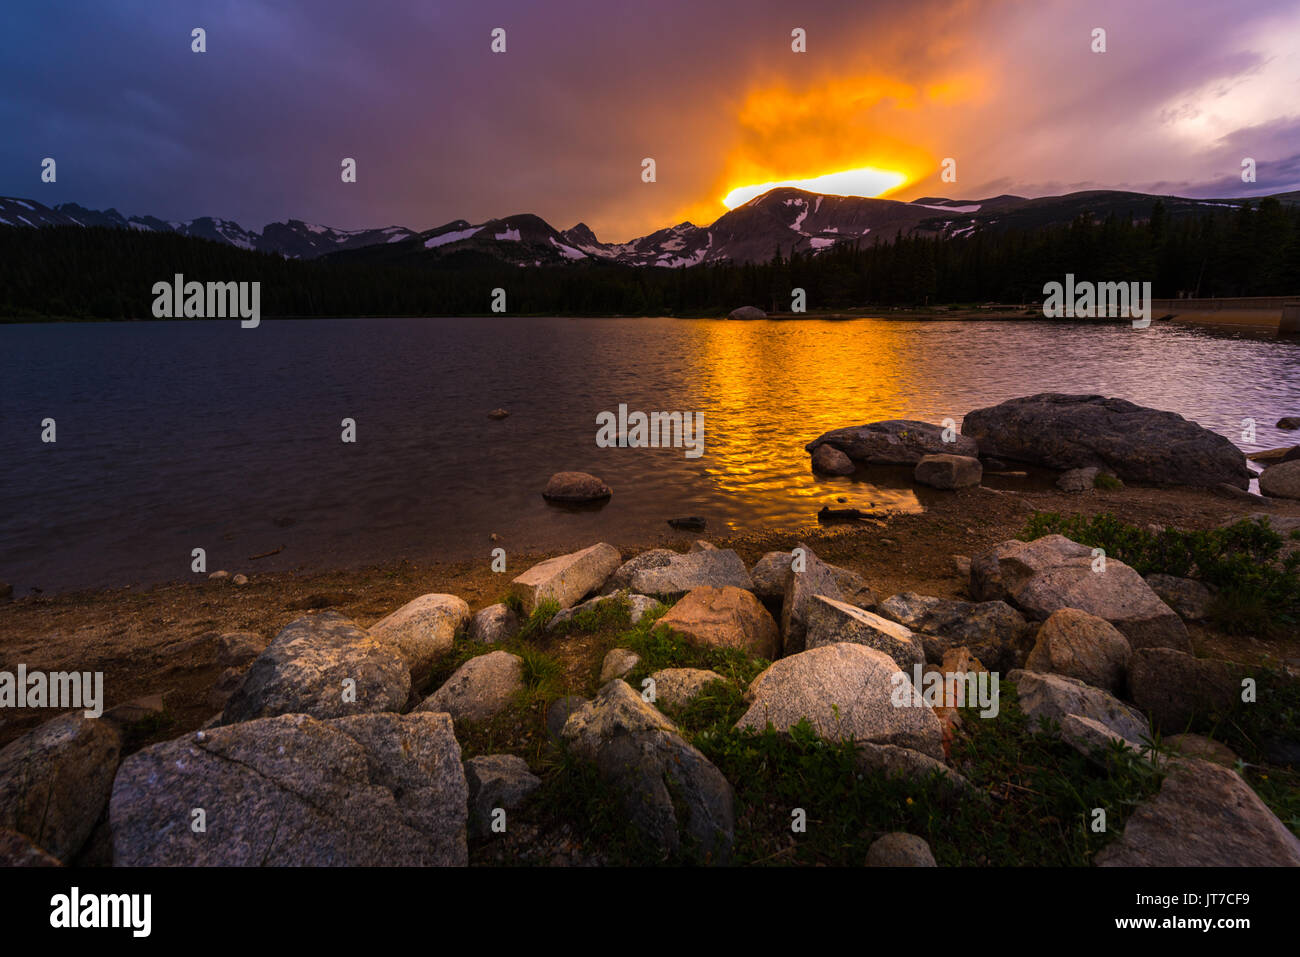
(893, 442)
(55, 781)
(671, 792)
(1281, 480)
(638, 606)
(1093, 739)
(1176, 688)
(900, 850)
(1054, 696)
(747, 312)
(422, 630)
(670, 581)
(371, 790)
(1137, 444)
(621, 580)
(1204, 815)
(618, 662)
(1052, 572)
(1078, 480)
(16, 850)
(946, 471)
(1189, 598)
(993, 630)
(496, 782)
(239, 649)
(325, 666)
(575, 487)
(493, 625)
(678, 687)
(846, 692)
(893, 761)
(772, 573)
(480, 688)
(1079, 645)
(725, 617)
(830, 622)
(566, 579)
(828, 460)
(801, 589)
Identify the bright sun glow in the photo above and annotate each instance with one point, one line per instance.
(866, 181)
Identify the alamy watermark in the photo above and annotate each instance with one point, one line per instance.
(654, 430)
(179, 299)
(1091, 300)
(53, 689)
(946, 689)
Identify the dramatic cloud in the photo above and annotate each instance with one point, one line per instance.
(442, 128)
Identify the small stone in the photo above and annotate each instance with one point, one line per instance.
(219, 576)
(900, 850)
(948, 471)
(828, 460)
(498, 414)
(493, 625)
(1077, 480)
(239, 580)
(618, 662)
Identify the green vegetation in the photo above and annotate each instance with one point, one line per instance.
(1107, 481)
(1257, 591)
(70, 272)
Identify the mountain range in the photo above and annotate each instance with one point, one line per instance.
(785, 219)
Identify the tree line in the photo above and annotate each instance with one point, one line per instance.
(70, 272)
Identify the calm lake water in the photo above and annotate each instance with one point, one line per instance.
(172, 436)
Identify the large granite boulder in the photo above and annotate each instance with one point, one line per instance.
(1204, 815)
(372, 790)
(638, 606)
(1052, 572)
(325, 666)
(1054, 696)
(671, 792)
(480, 688)
(771, 574)
(55, 781)
(1133, 442)
(493, 625)
(893, 442)
(846, 692)
(830, 622)
(566, 579)
(678, 687)
(621, 580)
(1079, 645)
(717, 568)
(994, 631)
(423, 630)
(725, 617)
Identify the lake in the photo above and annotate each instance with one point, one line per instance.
(177, 435)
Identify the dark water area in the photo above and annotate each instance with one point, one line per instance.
(172, 436)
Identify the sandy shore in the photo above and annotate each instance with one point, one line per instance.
(160, 639)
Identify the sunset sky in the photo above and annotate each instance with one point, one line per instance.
(442, 128)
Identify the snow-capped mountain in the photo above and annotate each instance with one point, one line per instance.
(784, 219)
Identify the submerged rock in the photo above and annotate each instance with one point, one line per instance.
(576, 487)
(948, 471)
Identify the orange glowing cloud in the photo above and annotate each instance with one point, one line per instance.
(868, 135)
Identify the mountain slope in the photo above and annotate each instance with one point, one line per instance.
(784, 219)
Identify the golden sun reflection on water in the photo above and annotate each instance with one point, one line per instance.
(766, 381)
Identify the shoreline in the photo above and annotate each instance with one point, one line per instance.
(158, 639)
